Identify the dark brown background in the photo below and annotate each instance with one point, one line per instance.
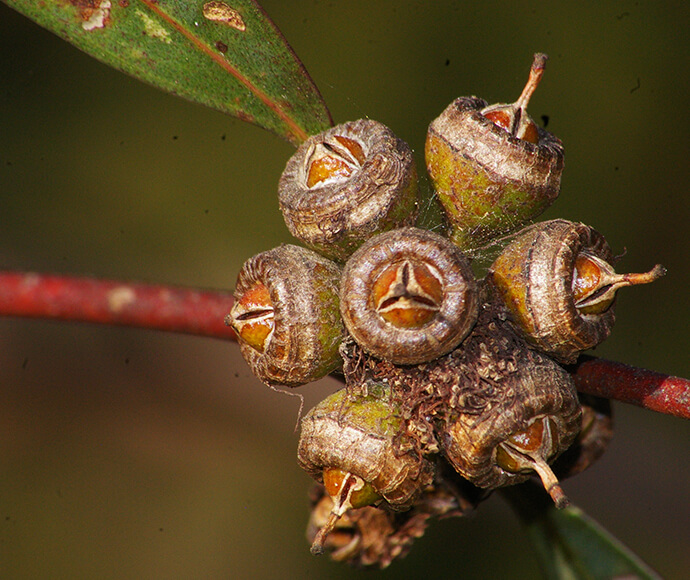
(127, 453)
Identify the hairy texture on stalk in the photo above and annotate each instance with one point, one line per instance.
(472, 400)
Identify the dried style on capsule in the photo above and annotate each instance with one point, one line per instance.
(511, 411)
(350, 443)
(286, 315)
(556, 281)
(408, 296)
(375, 536)
(498, 410)
(345, 185)
(492, 168)
(454, 386)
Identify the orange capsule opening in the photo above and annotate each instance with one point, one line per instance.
(529, 450)
(337, 159)
(340, 483)
(407, 294)
(529, 132)
(587, 277)
(348, 491)
(501, 117)
(595, 282)
(513, 117)
(252, 317)
(327, 167)
(353, 147)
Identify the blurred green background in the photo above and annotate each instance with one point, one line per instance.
(134, 454)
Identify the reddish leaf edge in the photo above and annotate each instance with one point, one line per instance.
(297, 134)
(202, 313)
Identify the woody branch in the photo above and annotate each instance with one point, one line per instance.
(201, 312)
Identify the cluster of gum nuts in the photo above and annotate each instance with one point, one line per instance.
(441, 368)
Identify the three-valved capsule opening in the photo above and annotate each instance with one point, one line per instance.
(408, 296)
(530, 450)
(253, 317)
(513, 117)
(334, 159)
(595, 282)
(348, 491)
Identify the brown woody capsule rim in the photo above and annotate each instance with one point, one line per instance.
(456, 314)
(334, 435)
(303, 287)
(538, 165)
(593, 439)
(336, 216)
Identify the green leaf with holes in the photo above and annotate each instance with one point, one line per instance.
(227, 55)
(568, 543)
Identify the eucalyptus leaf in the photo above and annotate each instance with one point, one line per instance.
(569, 544)
(229, 56)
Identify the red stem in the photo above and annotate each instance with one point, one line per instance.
(648, 389)
(199, 312)
(149, 306)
